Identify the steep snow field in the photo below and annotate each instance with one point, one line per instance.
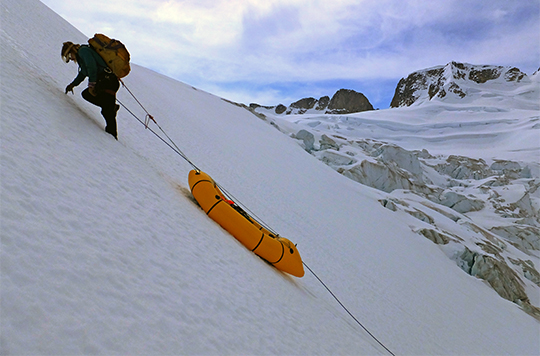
(104, 251)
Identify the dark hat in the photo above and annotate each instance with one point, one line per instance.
(67, 47)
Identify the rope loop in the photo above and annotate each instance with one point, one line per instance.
(147, 120)
(146, 124)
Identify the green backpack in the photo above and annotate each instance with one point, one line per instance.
(113, 52)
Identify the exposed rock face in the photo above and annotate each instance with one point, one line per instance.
(452, 80)
(347, 101)
(344, 101)
(280, 109)
(323, 103)
(305, 104)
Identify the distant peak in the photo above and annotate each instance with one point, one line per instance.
(453, 80)
(344, 101)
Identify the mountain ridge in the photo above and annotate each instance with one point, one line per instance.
(344, 101)
(452, 81)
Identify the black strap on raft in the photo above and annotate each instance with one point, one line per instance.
(282, 254)
(262, 237)
(213, 206)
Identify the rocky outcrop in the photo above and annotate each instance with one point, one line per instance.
(323, 102)
(304, 104)
(456, 80)
(280, 109)
(344, 101)
(347, 101)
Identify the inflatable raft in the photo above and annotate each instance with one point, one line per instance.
(278, 251)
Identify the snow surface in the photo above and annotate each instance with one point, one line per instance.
(103, 250)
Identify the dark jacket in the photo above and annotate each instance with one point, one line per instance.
(90, 65)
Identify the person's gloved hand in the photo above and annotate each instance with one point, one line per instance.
(92, 88)
(69, 88)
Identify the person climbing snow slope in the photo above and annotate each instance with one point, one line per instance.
(102, 83)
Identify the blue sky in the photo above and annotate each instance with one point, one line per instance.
(279, 51)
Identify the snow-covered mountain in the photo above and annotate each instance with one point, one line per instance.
(103, 250)
(457, 82)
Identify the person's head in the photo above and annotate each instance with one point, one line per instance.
(69, 51)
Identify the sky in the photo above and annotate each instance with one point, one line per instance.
(279, 51)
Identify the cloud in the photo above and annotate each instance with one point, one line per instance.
(274, 43)
(204, 23)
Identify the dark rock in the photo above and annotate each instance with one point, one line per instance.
(514, 75)
(453, 79)
(407, 88)
(305, 104)
(280, 109)
(483, 75)
(346, 101)
(254, 106)
(323, 103)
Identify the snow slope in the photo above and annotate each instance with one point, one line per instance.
(104, 251)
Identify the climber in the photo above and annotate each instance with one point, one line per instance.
(102, 83)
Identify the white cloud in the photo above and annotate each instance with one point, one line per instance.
(204, 23)
(218, 42)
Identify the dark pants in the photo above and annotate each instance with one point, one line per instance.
(105, 98)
